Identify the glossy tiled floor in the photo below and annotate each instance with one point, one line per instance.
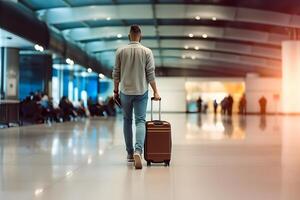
(213, 158)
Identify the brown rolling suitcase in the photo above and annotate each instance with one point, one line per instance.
(158, 141)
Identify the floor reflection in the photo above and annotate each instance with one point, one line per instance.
(216, 127)
(263, 123)
(254, 155)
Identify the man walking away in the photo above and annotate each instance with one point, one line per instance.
(134, 70)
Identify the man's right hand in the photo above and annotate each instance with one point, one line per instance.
(156, 96)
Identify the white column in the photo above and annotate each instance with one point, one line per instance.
(10, 73)
(290, 76)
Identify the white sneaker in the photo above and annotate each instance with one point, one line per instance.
(137, 160)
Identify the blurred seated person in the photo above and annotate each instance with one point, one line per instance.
(95, 109)
(55, 112)
(44, 101)
(37, 97)
(31, 110)
(80, 109)
(67, 108)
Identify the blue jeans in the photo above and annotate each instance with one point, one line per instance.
(138, 103)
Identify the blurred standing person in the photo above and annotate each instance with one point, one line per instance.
(230, 104)
(224, 106)
(205, 107)
(199, 104)
(215, 106)
(134, 70)
(243, 105)
(263, 105)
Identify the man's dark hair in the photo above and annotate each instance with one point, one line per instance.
(135, 29)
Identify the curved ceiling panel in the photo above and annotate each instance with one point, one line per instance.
(187, 57)
(217, 65)
(80, 34)
(242, 35)
(168, 11)
(246, 60)
(250, 50)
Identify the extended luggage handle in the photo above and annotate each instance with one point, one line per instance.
(152, 99)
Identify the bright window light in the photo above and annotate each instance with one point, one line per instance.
(100, 152)
(70, 90)
(83, 74)
(90, 160)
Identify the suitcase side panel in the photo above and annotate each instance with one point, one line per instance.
(158, 141)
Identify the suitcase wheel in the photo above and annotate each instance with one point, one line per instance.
(148, 163)
(167, 163)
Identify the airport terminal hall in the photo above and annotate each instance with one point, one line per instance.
(150, 99)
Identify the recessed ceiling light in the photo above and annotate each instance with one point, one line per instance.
(186, 47)
(204, 35)
(101, 76)
(183, 56)
(119, 35)
(89, 70)
(193, 57)
(191, 35)
(69, 61)
(197, 17)
(38, 48)
(196, 48)
(108, 18)
(214, 18)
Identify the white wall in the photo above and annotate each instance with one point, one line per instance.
(290, 76)
(256, 87)
(172, 92)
